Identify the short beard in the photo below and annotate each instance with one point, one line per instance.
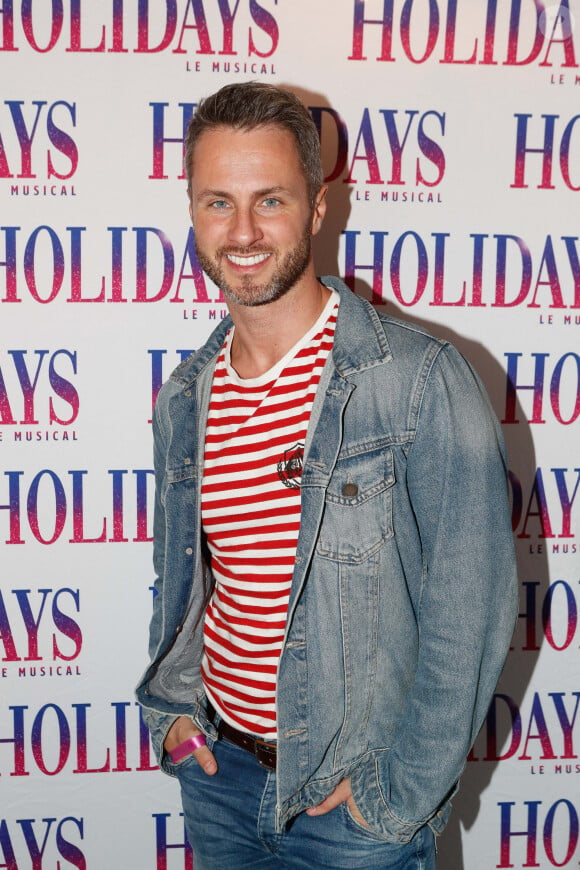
(287, 273)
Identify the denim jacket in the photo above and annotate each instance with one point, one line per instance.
(403, 596)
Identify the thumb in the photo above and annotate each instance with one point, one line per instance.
(206, 760)
(340, 794)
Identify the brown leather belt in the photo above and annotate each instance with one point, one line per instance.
(262, 750)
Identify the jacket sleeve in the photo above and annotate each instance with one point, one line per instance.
(159, 460)
(157, 722)
(456, 480)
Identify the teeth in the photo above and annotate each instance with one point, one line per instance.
(247, 261)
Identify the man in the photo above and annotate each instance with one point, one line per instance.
(336, 581)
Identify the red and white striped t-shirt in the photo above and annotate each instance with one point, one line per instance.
(250, 504)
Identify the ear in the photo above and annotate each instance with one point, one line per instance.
(190, 209)
(319, 210)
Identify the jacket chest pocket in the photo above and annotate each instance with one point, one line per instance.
(358, 510)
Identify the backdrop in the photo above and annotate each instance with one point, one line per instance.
(451, 141)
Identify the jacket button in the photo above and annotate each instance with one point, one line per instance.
(350, 490)
(187, 460)
(189, 550)
(187, 393)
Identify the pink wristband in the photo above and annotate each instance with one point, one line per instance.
(187, 747)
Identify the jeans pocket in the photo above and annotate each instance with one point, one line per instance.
(357, 827)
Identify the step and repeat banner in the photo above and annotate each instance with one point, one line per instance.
(451, 139)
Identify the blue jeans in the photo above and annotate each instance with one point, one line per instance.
(230, 824)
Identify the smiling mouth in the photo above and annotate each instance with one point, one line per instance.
(248, 260)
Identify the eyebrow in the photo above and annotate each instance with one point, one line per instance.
(223, 194)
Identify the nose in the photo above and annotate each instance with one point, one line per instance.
(244, 227)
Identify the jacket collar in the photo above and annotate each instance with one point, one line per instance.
(189, 370)
(360, 340)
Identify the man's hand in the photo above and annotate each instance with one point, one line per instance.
(341, 794)
(181, 730)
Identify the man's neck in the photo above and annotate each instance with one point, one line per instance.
(265, 333)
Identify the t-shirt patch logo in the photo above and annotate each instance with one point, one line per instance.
(290, 466)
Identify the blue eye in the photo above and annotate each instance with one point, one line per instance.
(271, 201)
(219, 204)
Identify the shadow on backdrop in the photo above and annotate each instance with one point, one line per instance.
(497, 731)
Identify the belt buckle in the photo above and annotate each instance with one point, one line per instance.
(263, 749)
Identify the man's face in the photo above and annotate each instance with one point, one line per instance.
(250, 211)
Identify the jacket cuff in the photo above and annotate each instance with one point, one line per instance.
(158, 725)
(368, 795)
